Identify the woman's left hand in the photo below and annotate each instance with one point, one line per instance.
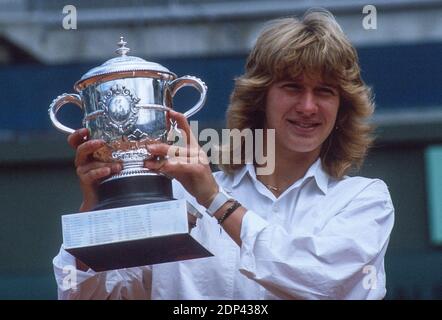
(188, 164)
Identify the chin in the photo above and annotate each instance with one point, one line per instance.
(305, 150)
(303, 147)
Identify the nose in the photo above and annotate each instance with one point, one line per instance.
(307, 104)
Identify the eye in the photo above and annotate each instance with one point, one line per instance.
(292, 86)
(329, 91)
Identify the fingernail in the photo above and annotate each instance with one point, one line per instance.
(98, 142)
(116, 167)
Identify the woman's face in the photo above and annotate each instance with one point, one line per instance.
(302, 112)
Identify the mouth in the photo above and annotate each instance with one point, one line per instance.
(304, 126)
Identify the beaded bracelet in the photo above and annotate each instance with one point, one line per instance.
(229, 211)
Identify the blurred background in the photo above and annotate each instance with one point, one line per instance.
(40, 59)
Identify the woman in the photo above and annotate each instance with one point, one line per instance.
(304, 231)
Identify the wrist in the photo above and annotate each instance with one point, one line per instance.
(90, 197)
(88, 203)
(218, 201)
(226, 210)
(207, 199)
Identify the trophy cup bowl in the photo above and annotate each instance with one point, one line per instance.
(126, 102)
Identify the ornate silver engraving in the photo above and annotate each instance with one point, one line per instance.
(120, 111)
(131, 155)
(137, 134)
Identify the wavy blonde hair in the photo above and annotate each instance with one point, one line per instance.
(314, 44)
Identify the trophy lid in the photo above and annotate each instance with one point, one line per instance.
(123, 66)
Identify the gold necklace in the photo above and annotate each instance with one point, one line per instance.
(269, 186)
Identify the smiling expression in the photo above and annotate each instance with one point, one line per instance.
(302, 112)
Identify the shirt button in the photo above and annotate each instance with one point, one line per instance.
(275, 208)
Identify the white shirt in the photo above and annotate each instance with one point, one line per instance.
(321, 239)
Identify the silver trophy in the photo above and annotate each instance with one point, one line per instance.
(126, 102)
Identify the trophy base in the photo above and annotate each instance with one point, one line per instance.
(129, 206)
(132, 236)
(129, 254)
(134, 190)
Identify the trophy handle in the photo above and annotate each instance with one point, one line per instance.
(186, 81)
(57, 104)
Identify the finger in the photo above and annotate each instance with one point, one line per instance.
(158, 165)
(154, 164)
(191, 220)
(162, 149)
(184, 125)
(172, 166)
(85, 150)
(180, 119)
(83, 169)
(78, 137)
(95, 175)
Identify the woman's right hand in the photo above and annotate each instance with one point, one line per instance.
(89, 171)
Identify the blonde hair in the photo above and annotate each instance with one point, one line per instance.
(288, 48)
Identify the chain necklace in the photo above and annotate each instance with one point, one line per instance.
(269, 186)
(272, 187)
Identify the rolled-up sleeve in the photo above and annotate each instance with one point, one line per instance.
(131, 283)
(344, 259)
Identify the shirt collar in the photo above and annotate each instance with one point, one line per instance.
(316, 171)
(240, 173)
(321, 177)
